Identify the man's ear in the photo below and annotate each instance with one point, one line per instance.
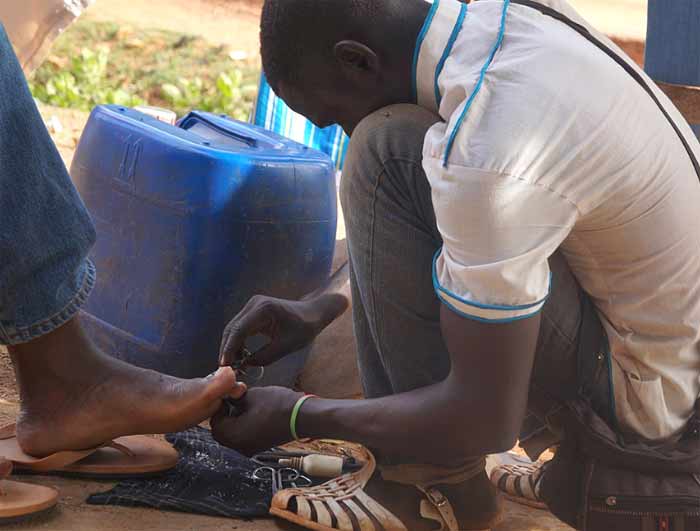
(356, 56)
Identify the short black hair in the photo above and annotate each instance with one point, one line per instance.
(292, 31)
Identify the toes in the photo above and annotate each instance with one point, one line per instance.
(239, 391)
(221, 383)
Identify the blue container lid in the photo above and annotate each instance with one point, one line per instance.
(222, 133)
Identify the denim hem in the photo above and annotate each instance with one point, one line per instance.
(19, 335)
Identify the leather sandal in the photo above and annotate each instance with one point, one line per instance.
(437, 507)
(519, 479)
(429, 479)
(134, 456)
(20, 500)
(339, 504)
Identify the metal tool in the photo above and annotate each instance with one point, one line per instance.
(251, 374)
(301, 481)
(281, 478)
(267, 473)
(272, 458)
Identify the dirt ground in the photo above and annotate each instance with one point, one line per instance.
(232, 22)
(621, 18)
(235, 22)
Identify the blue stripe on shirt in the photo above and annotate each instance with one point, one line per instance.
(419, 43)
(479, 83)
(448, 50)
(439, 289)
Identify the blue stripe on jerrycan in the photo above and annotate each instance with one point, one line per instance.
(193, 220)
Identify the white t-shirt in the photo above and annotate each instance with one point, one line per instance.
(548, 144)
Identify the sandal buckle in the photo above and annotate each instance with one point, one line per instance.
(436, 497)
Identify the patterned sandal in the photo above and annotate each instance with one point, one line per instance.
(338, 504)
(519, 479)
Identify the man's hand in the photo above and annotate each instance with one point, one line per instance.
(290, 325)
(263, 424)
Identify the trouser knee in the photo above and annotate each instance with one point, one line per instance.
(396, 132)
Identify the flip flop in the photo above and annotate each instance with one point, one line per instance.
(20, 500)
(134, 456)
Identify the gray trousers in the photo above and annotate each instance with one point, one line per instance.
(392, 238)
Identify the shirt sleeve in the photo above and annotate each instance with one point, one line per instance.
(498, 233)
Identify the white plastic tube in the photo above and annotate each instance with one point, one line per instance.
(316, 465)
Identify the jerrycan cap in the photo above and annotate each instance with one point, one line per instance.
(159, 113)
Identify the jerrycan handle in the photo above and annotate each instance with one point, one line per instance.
(197, 123)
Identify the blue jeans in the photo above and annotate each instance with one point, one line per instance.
(392, 238)
(45, 230)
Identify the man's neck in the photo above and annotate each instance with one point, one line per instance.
(414, 13)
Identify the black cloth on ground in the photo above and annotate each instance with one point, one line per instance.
(209, 479)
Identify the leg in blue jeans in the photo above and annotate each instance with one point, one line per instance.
(392, 238)
(73, 397)
(45, 231)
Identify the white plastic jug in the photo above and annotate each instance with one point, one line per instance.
(34, 24)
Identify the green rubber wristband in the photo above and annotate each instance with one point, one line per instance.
(295, 414)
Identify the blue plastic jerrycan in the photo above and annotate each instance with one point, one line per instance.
(193, 220)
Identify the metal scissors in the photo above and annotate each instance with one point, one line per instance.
(251, 374)
(281, 478)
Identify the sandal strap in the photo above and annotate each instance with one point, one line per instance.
(442, 505)
(5, 472)
(340, 503)
(333, 500)
(521, 480)
(120, 447)
(8, 431)
(5, 468)
(425, 478)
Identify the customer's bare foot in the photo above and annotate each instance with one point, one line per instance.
(74, 397)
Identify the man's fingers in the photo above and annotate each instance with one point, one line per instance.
(267, 355)
(223, 428)
(238, 330)
(339, 303)
(239, 391)
(230, 430)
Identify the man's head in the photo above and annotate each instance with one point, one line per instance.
(336, 61)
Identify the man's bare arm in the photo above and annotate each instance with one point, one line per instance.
(477, 409)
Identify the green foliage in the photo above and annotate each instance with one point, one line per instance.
(83, 85)
(228, 95)
(95, 63)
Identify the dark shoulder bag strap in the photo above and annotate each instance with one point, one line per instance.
(583, 31)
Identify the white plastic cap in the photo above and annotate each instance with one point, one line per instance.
(160, 114)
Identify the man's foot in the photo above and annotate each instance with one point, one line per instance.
(75, 397)
(475, 503)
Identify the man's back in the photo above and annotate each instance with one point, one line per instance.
(561, 127)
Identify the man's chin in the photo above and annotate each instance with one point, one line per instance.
(323, 125)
